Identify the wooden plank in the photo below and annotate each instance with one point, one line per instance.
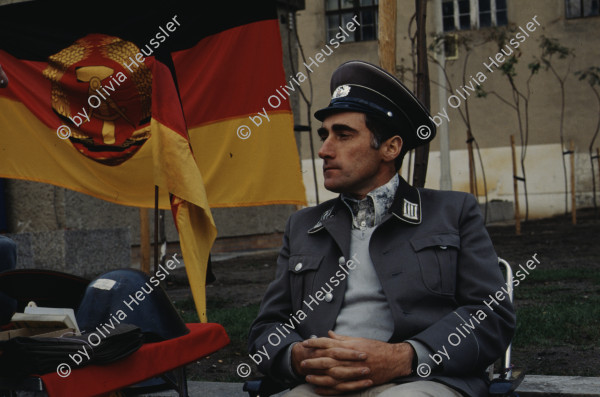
(387, 35)
(515, 187)
(144, 241)
(573, 192)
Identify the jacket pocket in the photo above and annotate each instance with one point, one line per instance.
(302, 270)
(437, 255)
(299, 264)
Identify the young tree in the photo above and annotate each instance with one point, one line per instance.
(520, 96)
(592, 76)
(464, 42)
(551, 48)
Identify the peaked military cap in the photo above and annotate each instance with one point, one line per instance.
(358, 86)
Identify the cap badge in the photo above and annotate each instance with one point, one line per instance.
(341, 91)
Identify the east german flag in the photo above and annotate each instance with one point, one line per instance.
(105, 99)
(243, 133)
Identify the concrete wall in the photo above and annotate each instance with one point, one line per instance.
(85, 253)
(492, 120)
(546, 188)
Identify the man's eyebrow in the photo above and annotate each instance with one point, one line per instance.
(342, 127)
(336, 128)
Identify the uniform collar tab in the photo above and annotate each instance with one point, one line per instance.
(324, 216)
(407, 204)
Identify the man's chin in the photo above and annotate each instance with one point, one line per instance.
(333, 187)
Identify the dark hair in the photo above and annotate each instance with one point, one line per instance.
(381, 132)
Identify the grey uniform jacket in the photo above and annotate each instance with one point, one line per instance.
(438, 270)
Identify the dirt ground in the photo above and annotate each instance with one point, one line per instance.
(558, 244)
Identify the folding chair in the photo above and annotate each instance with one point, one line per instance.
(502, 385)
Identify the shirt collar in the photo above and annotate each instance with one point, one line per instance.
(406, 206)
(369, 211)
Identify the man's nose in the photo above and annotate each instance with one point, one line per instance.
(326, 150)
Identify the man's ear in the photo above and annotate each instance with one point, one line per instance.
(391, 148)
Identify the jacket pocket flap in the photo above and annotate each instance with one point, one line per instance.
(301, 263)
(441, 240)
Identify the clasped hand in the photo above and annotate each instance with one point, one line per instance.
(340, 364)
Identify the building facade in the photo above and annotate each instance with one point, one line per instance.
(470, 64)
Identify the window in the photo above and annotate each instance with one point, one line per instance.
(451, 47)
(340, 12)
(473, 14)
(464, 17)
(581, 8)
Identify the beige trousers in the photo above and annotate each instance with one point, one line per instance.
(413, 389)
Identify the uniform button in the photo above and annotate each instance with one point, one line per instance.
(328, 297)
(342, 260)
(443, 247)
(298, 267)
(313, 336)
(363, 224)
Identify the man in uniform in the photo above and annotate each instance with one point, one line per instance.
(387, 290)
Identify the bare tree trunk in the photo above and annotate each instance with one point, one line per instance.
(422, 152)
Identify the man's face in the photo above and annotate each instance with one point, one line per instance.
(350, 164)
